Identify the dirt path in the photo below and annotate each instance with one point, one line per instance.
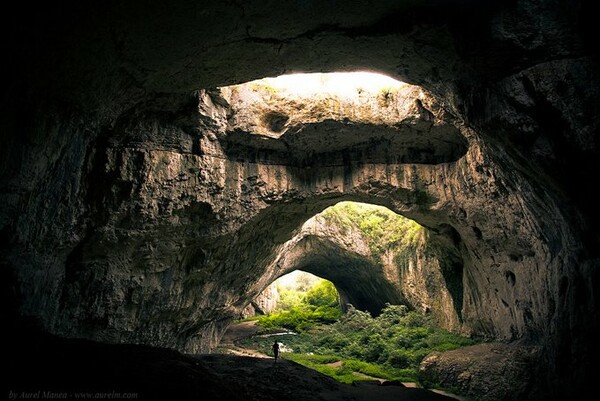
(237, 332)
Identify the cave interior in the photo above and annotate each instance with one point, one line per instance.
(155, 179)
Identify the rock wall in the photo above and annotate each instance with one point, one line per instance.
(263, 303)
(172, 217)
(487, 371)
(419, 274)
(128, 216)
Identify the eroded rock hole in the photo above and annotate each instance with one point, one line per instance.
(376, 257)
(510, 277)
(305, 119)
(275, 121)
(373, 256)
(302, 296)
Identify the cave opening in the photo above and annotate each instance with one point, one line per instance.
(326, 133)
(373, 257)
(321, 133)
(324, 129)
(313, 119)
(300, 292)
(365, 250)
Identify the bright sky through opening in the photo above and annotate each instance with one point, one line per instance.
(341, 84)
(289, 280)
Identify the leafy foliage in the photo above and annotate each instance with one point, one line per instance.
(320, 304)
(380, 227)
(389, 346)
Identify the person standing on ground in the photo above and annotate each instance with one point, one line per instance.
(276, 350)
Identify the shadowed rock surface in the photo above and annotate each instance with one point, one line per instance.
(498, 371)
(131, 213)
(55, 368)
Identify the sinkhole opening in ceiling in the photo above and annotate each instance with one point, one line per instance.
(289, 103)
(335, 84)
(307, 119)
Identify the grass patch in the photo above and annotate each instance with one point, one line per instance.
(321, 363)
(346, 372)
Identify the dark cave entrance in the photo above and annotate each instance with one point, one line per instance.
(524, 275)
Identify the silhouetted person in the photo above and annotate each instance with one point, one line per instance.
(275, 350)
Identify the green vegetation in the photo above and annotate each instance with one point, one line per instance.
(386, 95)
(390, 346)
(345, 371)
(326, 364)
(355, 345)
(300, 310)
(381, 228)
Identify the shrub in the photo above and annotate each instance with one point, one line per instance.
(399, 359)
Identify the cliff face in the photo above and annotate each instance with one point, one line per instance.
(137, 210)
(181, 212)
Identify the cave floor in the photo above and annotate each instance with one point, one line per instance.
(42, 366)
(265, 379)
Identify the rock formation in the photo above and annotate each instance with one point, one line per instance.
(489, 371)
(263, 303)
(135, 210)
(406, 265)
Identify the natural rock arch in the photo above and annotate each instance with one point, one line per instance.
(417, 268)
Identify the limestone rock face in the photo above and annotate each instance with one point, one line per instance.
(263, 303)
(306, 124)
(134, 209)
(485, 372)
